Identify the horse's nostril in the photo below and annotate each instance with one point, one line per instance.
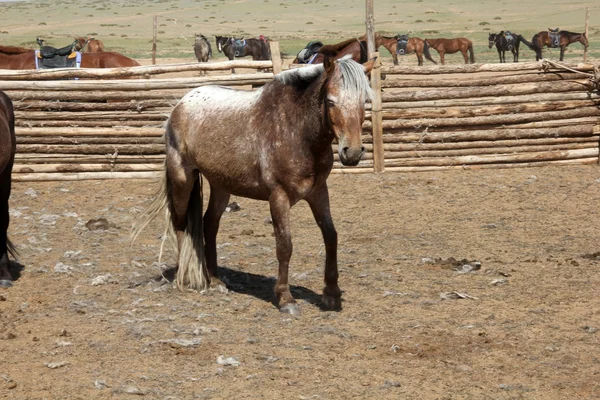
(345, 149)
(362, 148)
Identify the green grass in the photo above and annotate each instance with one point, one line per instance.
(127, 27)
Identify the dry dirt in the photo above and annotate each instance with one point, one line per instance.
(84, 321)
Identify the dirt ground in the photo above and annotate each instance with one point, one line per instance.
(91, 318)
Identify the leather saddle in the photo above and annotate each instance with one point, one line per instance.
(554, 37)
(402, 43)
(52, 57)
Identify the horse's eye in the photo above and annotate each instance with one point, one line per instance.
(330, 103)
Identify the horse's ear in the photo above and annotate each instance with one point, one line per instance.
(368, 66)
(328, 64)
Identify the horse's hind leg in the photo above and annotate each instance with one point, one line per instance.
(5, 276)
(186, 216)
(319, 204)
(216, 206)
(465, 56)
(419, 59)
(279, 203)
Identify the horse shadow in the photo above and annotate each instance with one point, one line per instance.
(15, 269)
(255, 285)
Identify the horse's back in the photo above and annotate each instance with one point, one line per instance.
(106, 59)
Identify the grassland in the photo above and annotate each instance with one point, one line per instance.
(127, 26)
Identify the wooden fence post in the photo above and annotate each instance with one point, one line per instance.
(275, 57)
(154, 23)
(587, 23)
(376, 111)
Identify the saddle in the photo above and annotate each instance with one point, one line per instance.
(51, 57)
(238, 46)
(402, 43)
(554, 37)
(510, 40)
(306, 55)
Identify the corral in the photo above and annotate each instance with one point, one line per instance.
(457, 283)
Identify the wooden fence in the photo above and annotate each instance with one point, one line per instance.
(468, 116)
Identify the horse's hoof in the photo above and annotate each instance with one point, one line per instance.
(333, 303)
(5, 283)
(290, 308)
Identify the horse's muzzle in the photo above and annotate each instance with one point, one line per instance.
(350, 156)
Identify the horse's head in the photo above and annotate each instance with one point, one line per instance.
(491, 40)
(220, 42)
(345, 91)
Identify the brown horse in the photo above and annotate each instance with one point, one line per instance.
(414, 45)
(272, 144)
(89, 45)
(451, 46)
(21, 58)
(7, 157)
(356, 48)
(565, 38)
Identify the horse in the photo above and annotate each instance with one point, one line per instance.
(7, 156)
(12, 57)
(89, 45)
(232, 48)
(413, 45)
(507, 41)
(271, 144)
(356, 48)
(452, 46)
(202, 48)
(565, 38)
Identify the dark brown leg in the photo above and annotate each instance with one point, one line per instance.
(5, 276)
(319, 204)
(216, 206)
(280, 213)
(562, 53)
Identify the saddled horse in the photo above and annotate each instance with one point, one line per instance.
(12, 57)
(413, 45)
(271, 144)
(356, 48)
(563, 39)
(89, 45)
(232, 48)
(451, 46)
(7, 156)
(507, 41)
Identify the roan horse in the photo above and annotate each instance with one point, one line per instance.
(202, 48)
(356, 48)
(7, 157)
(414, 45)
(89, 45)
(272, 144)
(451, 46)
(507, 41)
(565, 38)
(12, 57)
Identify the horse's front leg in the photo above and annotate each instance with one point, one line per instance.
(500, 55)
(319, 204)
(442, 58)
(562, 53)
(395, 58)
(279, 203)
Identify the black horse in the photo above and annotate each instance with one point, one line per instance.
(507, 41)
(232, 48)
(7, 158)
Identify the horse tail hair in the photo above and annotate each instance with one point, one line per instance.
(191, 272)
(471, 53)
(525, 42)
(12, 250)
(427, 53)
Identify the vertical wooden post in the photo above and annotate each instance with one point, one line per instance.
(154, 24)
(587, 23)
(376, 112)
(275, 57)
